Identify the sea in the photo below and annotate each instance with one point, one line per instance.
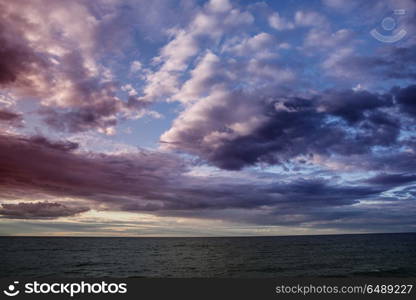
(372, 255)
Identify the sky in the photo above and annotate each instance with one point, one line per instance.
(207, 118)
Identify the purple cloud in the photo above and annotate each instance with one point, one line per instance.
(160, 184)
(10, 118)
(62, 67)
(264, 130)
(39, 210)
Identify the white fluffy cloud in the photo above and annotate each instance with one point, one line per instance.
(208, 25)
(279, 23)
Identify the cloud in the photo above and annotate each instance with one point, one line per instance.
(320, 39)
(161, 184)
(208, 25)
(253, 46)
(10, 118)
(33, 55)
(35, 166)
(240, 109)
(42, 142)
(232, 129)
(39, 210)
(394, 63)
(48, 55)
(99, 115)
(301, 19)
(392, 179)
(406, 99)
(279, 23)
(204, 78)
(351, 105)
(310, 19)
(136, 66)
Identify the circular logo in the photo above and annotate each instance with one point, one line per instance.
(388, 23)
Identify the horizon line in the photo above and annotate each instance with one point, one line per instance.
(230, 236)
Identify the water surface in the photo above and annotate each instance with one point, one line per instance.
(245, 257)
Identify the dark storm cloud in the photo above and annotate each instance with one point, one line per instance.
(385, 216)
(352, 105)
(81, 119)
(287, 133)
(10, 118)
(33, 168)
(391, 162)
(47, 144)
(6, 115)
(310, 192)
(331, 123)
(392, 179)
(39, 210)
(406, 98)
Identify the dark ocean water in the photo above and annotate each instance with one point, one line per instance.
(387, 255)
